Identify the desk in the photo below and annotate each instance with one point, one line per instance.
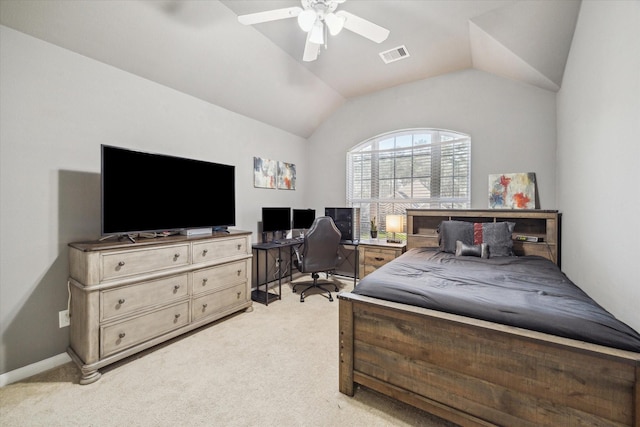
(356, 256)
(265, 297)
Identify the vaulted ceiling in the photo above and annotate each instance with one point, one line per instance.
(198, 47)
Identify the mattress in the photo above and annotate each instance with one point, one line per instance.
(528, 292)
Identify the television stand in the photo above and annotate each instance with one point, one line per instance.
(127, 297)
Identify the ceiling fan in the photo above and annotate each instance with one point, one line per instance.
(316, 18)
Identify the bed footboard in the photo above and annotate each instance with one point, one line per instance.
(478, 373)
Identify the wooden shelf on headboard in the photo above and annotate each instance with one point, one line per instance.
(422, 227)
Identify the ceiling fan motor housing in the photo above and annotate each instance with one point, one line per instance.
(321, 7)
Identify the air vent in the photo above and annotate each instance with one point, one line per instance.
(395, 54)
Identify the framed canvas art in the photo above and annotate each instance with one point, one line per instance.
(264, 173)
(512, 191)
(286, 176)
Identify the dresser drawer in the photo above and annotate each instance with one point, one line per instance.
(219, 249)
(210, 279)
(210, 304)
(127, 263)
(378, 257)
(125, 334)
(128, 299)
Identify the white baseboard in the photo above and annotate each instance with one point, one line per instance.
(33, 369)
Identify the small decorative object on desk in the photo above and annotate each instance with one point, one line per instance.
(374, 228)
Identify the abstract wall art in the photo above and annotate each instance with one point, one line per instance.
(512, 191)
(286, 176)
(264, 173)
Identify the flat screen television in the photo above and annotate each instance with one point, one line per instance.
(303, 218)
(276, 219)
(146, 192)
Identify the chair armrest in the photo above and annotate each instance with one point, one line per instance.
(298, 261)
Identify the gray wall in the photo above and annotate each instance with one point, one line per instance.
(57, 107)
(512, 127)
(599, 156)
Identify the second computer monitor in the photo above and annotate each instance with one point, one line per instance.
(303, 218)
(276, 219)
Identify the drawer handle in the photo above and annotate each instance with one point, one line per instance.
(176, 256)
(204, 306)
(239, 246)
(204, 281)
(121, 335)
(204, 252)
(121, 264)
(175, 288)
(239, 293)
(239, 272)
(177, 315)
(121, 301)
(379, 258)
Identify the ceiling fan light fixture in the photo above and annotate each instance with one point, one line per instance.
(335, 23)
(317, 33)
(306, 19)
(318, 19)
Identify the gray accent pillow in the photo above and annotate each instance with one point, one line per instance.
(452, 231)
(481, 250)
(498, 236)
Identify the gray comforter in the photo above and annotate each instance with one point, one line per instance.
(528, 292)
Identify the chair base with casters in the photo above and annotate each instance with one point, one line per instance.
(314, 285)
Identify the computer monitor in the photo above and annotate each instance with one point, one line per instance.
(276, 219)
(303, 218)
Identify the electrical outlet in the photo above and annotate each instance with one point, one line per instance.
(63, 318)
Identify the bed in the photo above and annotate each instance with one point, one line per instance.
(462, 364)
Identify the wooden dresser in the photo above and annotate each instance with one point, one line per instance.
(127, 297)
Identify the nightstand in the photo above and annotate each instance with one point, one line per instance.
(373, 254)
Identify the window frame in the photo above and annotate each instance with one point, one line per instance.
(374, 186)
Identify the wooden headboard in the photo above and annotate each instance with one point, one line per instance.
(422, 228)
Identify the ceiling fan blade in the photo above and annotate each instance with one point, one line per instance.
(311, 50)
(363, 27)
(269, 15)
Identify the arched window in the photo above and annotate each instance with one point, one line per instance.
(414, 168)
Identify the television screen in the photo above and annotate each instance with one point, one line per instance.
(145, 192)
(303, 218)
(276, 219)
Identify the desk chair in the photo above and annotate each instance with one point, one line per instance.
(319, 254)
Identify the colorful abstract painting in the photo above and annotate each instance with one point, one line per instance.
(286, 176)
(512, 191)
(264, 173)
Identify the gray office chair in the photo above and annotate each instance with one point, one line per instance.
(319, 254)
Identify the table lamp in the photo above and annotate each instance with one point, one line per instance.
(394, 225)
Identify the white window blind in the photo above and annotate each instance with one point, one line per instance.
(416, 168)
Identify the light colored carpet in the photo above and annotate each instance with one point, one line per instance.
(273, 366)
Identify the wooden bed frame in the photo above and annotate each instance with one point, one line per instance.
(479, 373)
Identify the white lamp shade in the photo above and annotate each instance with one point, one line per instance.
(306, 19)
(394, 223)
(335, 23)
(317, 33)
